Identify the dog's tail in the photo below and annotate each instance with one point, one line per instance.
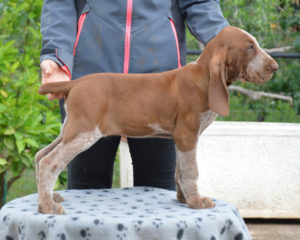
(57, 87)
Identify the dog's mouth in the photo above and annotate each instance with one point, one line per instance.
(228, 83)
(259, 77)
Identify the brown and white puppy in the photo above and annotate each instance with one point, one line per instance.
(176, 104)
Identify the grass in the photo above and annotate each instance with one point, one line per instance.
(23, 186)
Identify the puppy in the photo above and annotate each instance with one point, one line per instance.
(178, 104)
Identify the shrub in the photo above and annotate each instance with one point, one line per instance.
(27, 121)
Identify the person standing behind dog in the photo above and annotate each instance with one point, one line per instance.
(82, 37)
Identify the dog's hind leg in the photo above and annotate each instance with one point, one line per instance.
(44, 151)
(54, 163)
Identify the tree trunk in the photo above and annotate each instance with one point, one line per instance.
(2, 189)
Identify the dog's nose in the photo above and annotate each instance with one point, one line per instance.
(274, 66)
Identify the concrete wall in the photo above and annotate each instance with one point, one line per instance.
(255, 166)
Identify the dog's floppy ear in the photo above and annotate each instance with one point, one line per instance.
(218, 96)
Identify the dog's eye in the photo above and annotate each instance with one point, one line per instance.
(250, 47)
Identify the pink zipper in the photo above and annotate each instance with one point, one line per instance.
(80, 25)
(79, 28)
(64, 67)
(127, 36)
(176, 40)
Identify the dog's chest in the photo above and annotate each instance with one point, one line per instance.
(206, 118)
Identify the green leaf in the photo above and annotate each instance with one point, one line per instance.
(3, 162)
(20, 145)
(3, 93)
(2, 108)
(9, 143)
(14, 66)
(27, 160)
(57, 185)
(34, 32)
(9, 131)
(31, 142)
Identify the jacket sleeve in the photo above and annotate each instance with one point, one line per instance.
(59, 29)
(204, 18)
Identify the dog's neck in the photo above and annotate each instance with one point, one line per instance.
(203, 71)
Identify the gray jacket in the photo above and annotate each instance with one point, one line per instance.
(135, 36)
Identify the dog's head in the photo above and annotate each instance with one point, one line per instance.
(235, 55)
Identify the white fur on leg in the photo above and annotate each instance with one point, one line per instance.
(188, 177)
(54, 163)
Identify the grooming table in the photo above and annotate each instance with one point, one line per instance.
(127, 213)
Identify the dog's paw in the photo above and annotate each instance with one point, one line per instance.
(57, 209)
(181, 198)
(57, 197)
(180, 195)
(198, 202)
(51, 208)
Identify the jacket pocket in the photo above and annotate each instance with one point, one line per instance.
(99, 48)
(155, 48)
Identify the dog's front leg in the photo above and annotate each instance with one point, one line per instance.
(187, 170)
(188, 180)
(180, 195)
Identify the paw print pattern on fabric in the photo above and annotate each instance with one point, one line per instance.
(229, 223)
(137, 224)
(181, 225)
(21, 230)
(239, 236)
(211, 217)
(119, 214)
(180, 233)
(227, 226)
(42, 235)
(157, 222)
(50, 221)
(98, 222)
(75, 219)
(61, 236)
(198, 222)
(122, 231)
(85, 233)
(223, 230)
(6, 220)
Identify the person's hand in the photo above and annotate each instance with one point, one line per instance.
(51, 72)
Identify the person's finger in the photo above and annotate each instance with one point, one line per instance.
(50, 97)
(49, 71)
(47, 67)
(55, 96)
(61, 95)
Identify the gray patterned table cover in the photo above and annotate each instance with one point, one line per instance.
(138, 213)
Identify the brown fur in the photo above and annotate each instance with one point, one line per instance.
(177, 104)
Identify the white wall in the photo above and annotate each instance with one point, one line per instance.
(255, 166)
